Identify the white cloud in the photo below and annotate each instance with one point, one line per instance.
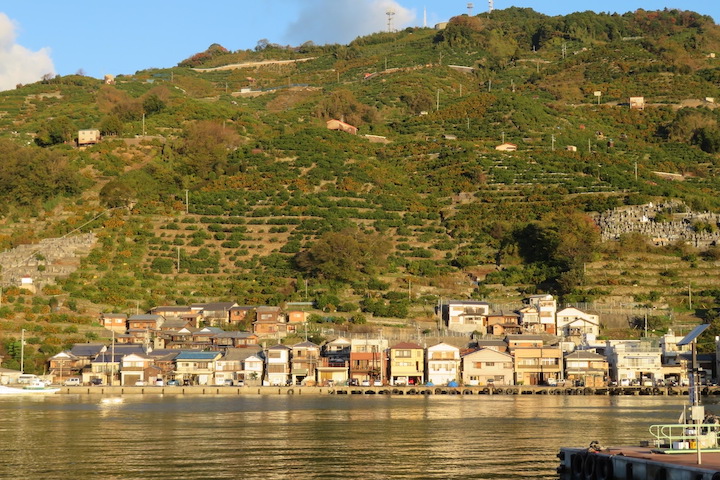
(17, 63)
(341, 21)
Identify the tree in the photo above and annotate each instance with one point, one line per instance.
(111, 125)
(115, 194)
(344, 256)
(55, 131)
(153, 104)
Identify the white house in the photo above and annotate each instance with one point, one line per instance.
(630, 360)
(278, 365)
(572, 322)
(443, 364)
(465, 315)
(546, 307)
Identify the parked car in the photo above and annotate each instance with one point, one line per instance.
(159, 382)
(96, 381)
(228, 382)
(139, 383)
(173, 383)
(353, 382)
(72, 382)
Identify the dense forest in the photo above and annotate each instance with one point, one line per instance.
(226, 184)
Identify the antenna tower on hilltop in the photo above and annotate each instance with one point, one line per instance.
(490, 6)
(390, 14)
(470, 9)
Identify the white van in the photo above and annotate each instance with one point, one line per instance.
(72, 382)
(28, 378)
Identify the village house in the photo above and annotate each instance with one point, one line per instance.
(574, 324)
(586, 368)
(269, 321)
(545, 309)
(305, 359)
(239, 313)
(486, 366)
(277, 365)
(196, 368)
(229, 367)
(117, 322)
(214, 314)
(407, 364)
(443, 364)
(138, 368)
(144, 326)
(253, 366)
(334, 362)
(224, 340)
(64, 365)
(368, 360)
(634, 361)
(503, 323)
(535, 362)
(464, 315)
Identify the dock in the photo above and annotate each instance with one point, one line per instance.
(379, 390)
(637, 463)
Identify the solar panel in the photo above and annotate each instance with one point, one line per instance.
(693, 335)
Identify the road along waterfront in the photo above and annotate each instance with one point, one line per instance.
(154, 436)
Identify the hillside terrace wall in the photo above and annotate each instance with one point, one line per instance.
(46, 260)
(640, 219)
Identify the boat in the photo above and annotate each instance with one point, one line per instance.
(686, 450)
(30, 389)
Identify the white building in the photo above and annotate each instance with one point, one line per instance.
(278, 365)
(465, 315)
(630, 360)
(572, 322)
(443, 364)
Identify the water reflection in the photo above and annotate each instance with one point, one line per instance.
(178, 437)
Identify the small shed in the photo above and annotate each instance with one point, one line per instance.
(342, 126)
(506, 147)
(637, 103)
(88, 137)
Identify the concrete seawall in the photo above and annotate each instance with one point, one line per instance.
(385, 390)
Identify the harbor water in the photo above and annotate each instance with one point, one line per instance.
(315, 437)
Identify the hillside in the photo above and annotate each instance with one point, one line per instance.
(218, 179)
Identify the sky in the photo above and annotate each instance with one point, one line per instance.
(39, 37)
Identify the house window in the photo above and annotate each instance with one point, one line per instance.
(402, 353)
(489, 364)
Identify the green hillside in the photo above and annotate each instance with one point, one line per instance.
(218, 179)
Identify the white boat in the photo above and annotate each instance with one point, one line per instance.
(31, 389)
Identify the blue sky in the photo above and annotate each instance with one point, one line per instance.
(64, 37)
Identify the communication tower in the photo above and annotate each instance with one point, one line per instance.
(470, 9)
(390, 13)
(490, 6)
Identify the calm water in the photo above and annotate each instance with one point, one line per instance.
(153, 437)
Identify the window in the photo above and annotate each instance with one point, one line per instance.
(402, 353)
(489, 364)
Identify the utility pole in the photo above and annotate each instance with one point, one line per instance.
(552, 142)
(437, 101)
(22, 351)
(187, 202)
(178, 259)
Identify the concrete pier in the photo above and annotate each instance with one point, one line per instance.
(636, 463)
(383, 390)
